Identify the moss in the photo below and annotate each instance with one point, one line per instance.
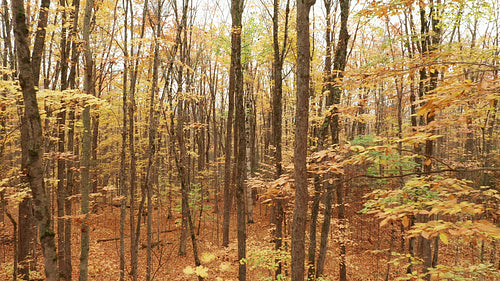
(46, 233)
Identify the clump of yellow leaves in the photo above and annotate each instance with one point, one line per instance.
(199, 271)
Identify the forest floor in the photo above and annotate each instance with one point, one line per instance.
(367, 247)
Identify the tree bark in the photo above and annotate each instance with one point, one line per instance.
(61, 167)
(313, 269)
(134, 233)
(86, 143)
(31, 130)
(70, 142)
(237, 73)
(277, 108)
(227, 161)
(123, 154)
(300, 149)
(151, 150)
(339, 64)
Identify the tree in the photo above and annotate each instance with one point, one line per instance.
(32, 141)
(300, 148)
(277, 108)
(86, 139)
(227, 154)
(339, 64)
(237, 74)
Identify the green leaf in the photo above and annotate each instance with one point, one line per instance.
(444, 237)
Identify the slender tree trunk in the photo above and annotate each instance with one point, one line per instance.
(86, 143)
(300, 149)
(339, 64)
(313, 270)
(93, 148)
(26, 232)
(277, 92)
(123, 155)
(70, 146)
(61, 196)
(8, 61)
(14, 238)
(325, 228)
(181, 169)
(227, 161)
(430, 44)
(151, 150)
(38, 45)
(236, 14)
(277, 108)
(61, 167)
(248, 111)
(134, 233)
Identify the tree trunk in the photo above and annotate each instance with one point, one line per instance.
(248, 112)
(313, 270)
(277, 108)
(325, 230)
(300, 149)
(151, 150)
(61, 167)
(15, 242)
(237, 74)
(86, 143)
(32, 141)
(134, 233)
(26, 229)
(339, 64)
(227, 161)
(123, 154)
(70, 146)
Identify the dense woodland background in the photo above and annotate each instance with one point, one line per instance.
(250, 140)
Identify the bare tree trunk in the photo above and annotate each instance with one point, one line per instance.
(86, 143)
(181, 169)
(325, 228)
(14, 238)
(339, 64)
(70, 146)
(300, 149)
(182, 109)
(61, 167)
(227, 161)
(237, 73)
(27, 230)
(134, 233)
(313, 270)
(249, 106)
(151, 150)
(123, 155)
(32, 143)
(8, 54)
(277, 108)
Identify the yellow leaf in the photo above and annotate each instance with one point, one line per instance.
(405, 221)
(225, 266)
(188, 270)
(207, 257)
(384, 222)
(444, 237)
(201, 271)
